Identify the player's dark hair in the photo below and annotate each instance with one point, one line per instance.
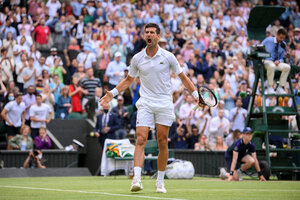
(153, 25)
(281, 31)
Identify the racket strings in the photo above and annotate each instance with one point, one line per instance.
(207, 97)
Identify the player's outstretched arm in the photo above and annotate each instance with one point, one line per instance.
(189, 85)
(125, 83)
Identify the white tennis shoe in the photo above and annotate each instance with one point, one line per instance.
(136, 185)
(240, 174)
(160, 187)
(280, 90)
(223, 174)
(270, 90)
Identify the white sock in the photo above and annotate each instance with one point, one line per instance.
(161, 175)
(137, 172)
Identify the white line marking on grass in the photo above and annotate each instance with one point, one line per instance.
(86, 192)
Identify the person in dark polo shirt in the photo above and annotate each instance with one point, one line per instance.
(179, 140)
(240, 156)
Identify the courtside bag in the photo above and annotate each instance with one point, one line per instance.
(180, 169)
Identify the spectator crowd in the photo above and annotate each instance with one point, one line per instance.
(57, 57)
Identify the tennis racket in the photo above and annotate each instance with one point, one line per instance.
(206, 98)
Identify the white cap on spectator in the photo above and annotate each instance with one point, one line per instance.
(117, 54)
(221, 102)
(120, 97)
(243, 82)
(230, 66)
(162, 40)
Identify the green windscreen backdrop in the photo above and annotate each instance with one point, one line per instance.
(260, 18)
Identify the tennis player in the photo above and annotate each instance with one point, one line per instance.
(155, 107)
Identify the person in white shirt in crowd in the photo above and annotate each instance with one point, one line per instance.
(20, 66)
(28, 38)
(53, 6)
(20, 48)
(50, 59)
(6, 66)
(175, 83)
(77, 6)
(232, 137)
(35, 54)
(238, 115)
(40, 115)
(14, 116)
(115, 70)
(220, 106)
(29, 100)
(186, 108)
(219, 126)
(204, 121)
(40, 66)
(232, 78)
(90, 7)
(29, 74)
(80, 30)
(87, 57)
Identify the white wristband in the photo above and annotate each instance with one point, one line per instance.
(195, 94)
(114, 92)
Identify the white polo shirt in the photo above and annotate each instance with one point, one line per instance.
(90, 58)
(39, 112)
(50, 60)
(154, 73)
(14, 113)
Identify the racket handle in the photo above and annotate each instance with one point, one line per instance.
(196, 107)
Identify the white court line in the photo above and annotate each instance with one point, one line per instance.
(86, 192)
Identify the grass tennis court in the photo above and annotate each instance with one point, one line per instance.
(110, 188)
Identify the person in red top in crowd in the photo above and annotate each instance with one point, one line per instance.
(76, 93)
(41, 34)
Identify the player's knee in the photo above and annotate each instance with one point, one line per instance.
(270, 66)
(141, 141)
(251, 161)
(162, 142)
(286, 68)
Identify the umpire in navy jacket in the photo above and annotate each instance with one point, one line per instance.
(106, 125)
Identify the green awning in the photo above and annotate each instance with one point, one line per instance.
(260, 18)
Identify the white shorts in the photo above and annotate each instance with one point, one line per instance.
(152, 112)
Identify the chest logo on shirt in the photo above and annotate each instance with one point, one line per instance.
(161, 62)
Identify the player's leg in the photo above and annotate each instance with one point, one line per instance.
(162, 142)
(139, 156)
(270, 68)
(248, 162)
(223, 173)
